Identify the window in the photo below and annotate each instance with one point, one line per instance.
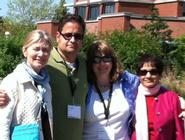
(81, 10)
(183, 11)
(109, 8)
(94, 12)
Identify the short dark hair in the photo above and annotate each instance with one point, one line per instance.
(71, 18)
(102, 47)
(152, 58)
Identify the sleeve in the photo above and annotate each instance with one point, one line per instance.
(178, 121)
(6, 112)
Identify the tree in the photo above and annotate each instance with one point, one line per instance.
(30, 11)
(158, 28)
(60, 11)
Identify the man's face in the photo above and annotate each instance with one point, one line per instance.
(70, 39)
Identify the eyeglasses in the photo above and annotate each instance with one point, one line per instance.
(144, 72)
(68, 36)
(99, 59)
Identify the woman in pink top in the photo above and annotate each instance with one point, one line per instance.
(157, 108)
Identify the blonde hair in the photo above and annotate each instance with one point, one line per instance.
(36, 36)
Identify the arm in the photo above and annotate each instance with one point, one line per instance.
(178, 121)
(4, 99)
(182, 102)
(6, 112)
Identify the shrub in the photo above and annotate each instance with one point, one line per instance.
(130, 45)
(11, 54)
(175, 83)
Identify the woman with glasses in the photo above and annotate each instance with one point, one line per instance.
(29, 91)
(111, 95)
(157, 108)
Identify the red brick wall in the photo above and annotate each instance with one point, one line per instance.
(172, 9)
(138, 23)
(112, 23)
(51, 27)
(177, 27)
(118, 23)
(136, 8)
(92, 27)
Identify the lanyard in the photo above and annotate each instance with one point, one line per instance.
(106, 109)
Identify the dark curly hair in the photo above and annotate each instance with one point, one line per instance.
(153, 59)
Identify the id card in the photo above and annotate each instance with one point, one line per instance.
(74, 112)
(106, 133)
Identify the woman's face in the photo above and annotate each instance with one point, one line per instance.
(37, 55)
(148, 75)
(102, 65)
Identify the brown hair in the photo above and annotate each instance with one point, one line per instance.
(101, 47)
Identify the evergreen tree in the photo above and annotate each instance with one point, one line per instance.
(158, 28)
(60, 11)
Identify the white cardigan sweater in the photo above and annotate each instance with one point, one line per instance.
(20, 87)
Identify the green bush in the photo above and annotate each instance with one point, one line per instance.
(11, 54)
(130, 45)
(177, 55)
(11, 46)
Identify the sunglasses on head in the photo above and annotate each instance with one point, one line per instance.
(152, 72)
(99, 59)
(68, 36)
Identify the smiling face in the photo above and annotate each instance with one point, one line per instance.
(70, 46)
(37, 55)
(148, 75)
(102, 68)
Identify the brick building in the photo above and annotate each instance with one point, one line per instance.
(108, 15)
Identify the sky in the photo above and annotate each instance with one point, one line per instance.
(4, 8)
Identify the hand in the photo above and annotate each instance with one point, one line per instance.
(182, 115)
(4, 99)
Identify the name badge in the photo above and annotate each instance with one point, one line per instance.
(74, 112)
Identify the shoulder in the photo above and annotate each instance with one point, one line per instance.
(169, 94)
(9, 81)
(129, 77)
(19, 75)
(54, 56)
(9, 84)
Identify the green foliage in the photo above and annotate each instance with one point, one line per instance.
(60, 10)
(11, 45)
(17, 29)
(30, 11)
(11, 54)
(175, 83)
(158, 28)
(88, 39)
(130, 45)
(177, 55)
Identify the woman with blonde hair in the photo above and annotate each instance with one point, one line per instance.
(29, 90)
